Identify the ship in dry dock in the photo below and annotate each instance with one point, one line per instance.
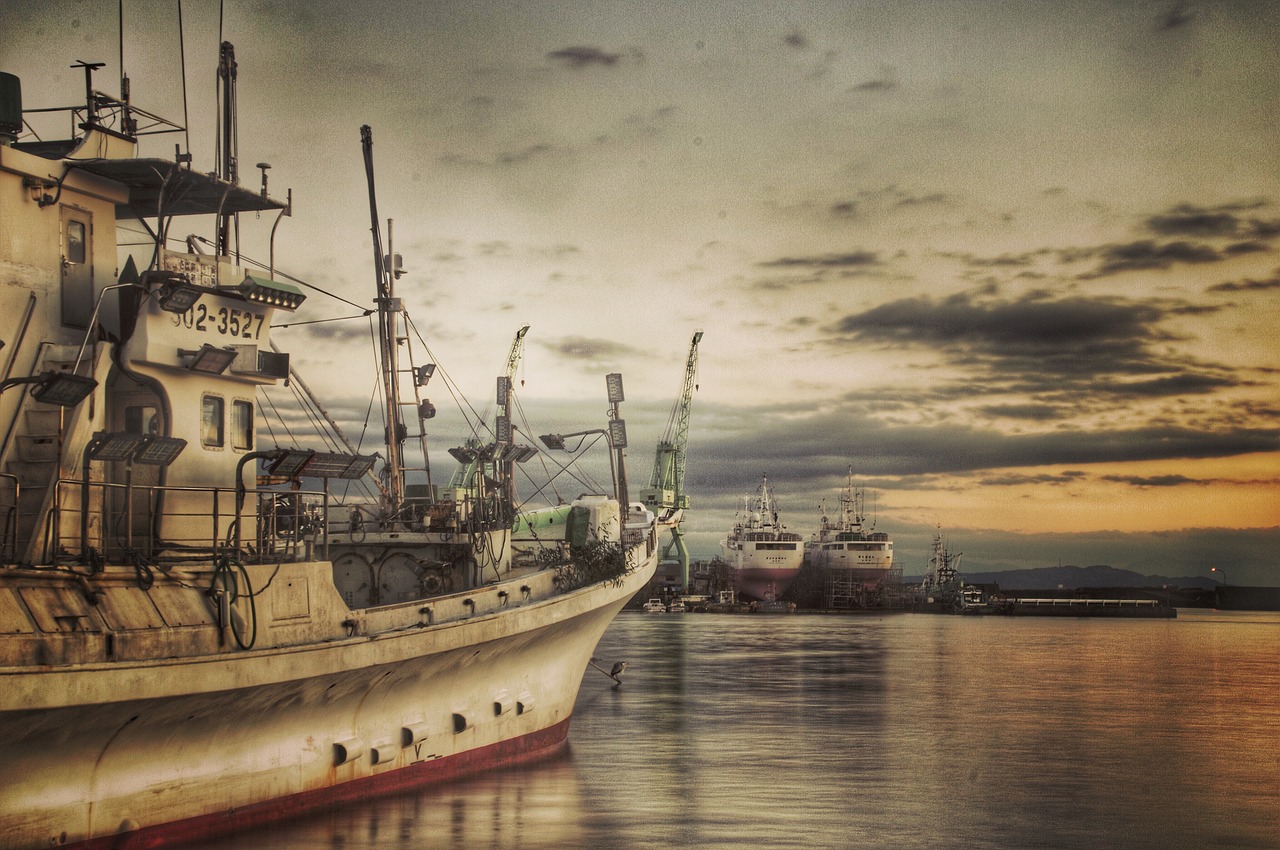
(763, 557)
(194, 636)
(844, 549)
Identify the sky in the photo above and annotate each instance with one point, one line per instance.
(1015, 264)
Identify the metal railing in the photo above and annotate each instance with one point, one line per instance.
(113, 521)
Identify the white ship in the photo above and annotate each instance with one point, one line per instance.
(845, 549)
(763, 558)
(194, 638)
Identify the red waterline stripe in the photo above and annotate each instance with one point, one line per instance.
(531, 747)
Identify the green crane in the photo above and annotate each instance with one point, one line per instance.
(665, 494)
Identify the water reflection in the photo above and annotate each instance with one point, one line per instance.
(908, 731)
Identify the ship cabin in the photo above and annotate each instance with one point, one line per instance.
(137, 365)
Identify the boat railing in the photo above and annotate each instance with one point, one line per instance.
(180, 523)
(1071, 602)
(10, 491)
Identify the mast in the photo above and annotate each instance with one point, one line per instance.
(388, 308)
(228, 139)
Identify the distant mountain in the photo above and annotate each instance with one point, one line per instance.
(1072, 578)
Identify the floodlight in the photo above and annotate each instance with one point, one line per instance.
(119, 445)
(273, 293)
(290, 463)
(209, 359)
(462, 454)
(618, 433)
(155, 450)
(360, 466)
(328, 464)
(553, 441)
(61, 388)
(177, 297)
(613, 383)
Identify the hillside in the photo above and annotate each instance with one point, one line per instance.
(1072, 578)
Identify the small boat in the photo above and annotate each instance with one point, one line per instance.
(677, 607)
(654, 606)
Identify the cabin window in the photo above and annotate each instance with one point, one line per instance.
(211, 427)
(142, 419)
(75, 242)
(242, 425)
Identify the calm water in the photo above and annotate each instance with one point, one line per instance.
(898, 731)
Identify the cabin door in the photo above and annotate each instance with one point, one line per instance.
(77, 267)
(134, 500)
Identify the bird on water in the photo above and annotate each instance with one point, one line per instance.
(616, 672)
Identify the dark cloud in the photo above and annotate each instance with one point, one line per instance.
(1038, 358)
(588, 349)
(1002, 261)
(334, 330)
(853, 259)
(1025, 325)
(811, 448)
(1187, 220)
(1148, 254)
(1222, 222)
(1153, 480)
(582, 57)
(1176, 17)
(1236, 249)
(1022, 479)
(887, 81)
(796, 39)
(1247, 285)
(1029, 411)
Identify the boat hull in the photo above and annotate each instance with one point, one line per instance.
(150, 754)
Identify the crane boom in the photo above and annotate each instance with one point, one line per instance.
(465, 474)
(665, 494)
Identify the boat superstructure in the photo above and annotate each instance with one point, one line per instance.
(763, 557)
(194, 635)
(845, 549)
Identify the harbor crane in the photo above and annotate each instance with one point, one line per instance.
(665, 494)
(471, 462)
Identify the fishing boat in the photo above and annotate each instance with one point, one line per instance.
(763, 557)
(654, 606)
(196, 635)
(845, 549)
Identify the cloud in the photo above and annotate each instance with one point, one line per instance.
(1026, 325)
(1176, 17)
(583, 57)
(1037, 358)
(808, 449)
(796, 39)
(1187, 220)
(589, 350)
(1247, 285)
(1153, 480)
(852, 259)
(886, 82)
(1030, 411)
(1148, 254)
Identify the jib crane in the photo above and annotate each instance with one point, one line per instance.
(665, 494)
(464, 476)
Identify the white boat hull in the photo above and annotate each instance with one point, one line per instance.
(179, 749)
